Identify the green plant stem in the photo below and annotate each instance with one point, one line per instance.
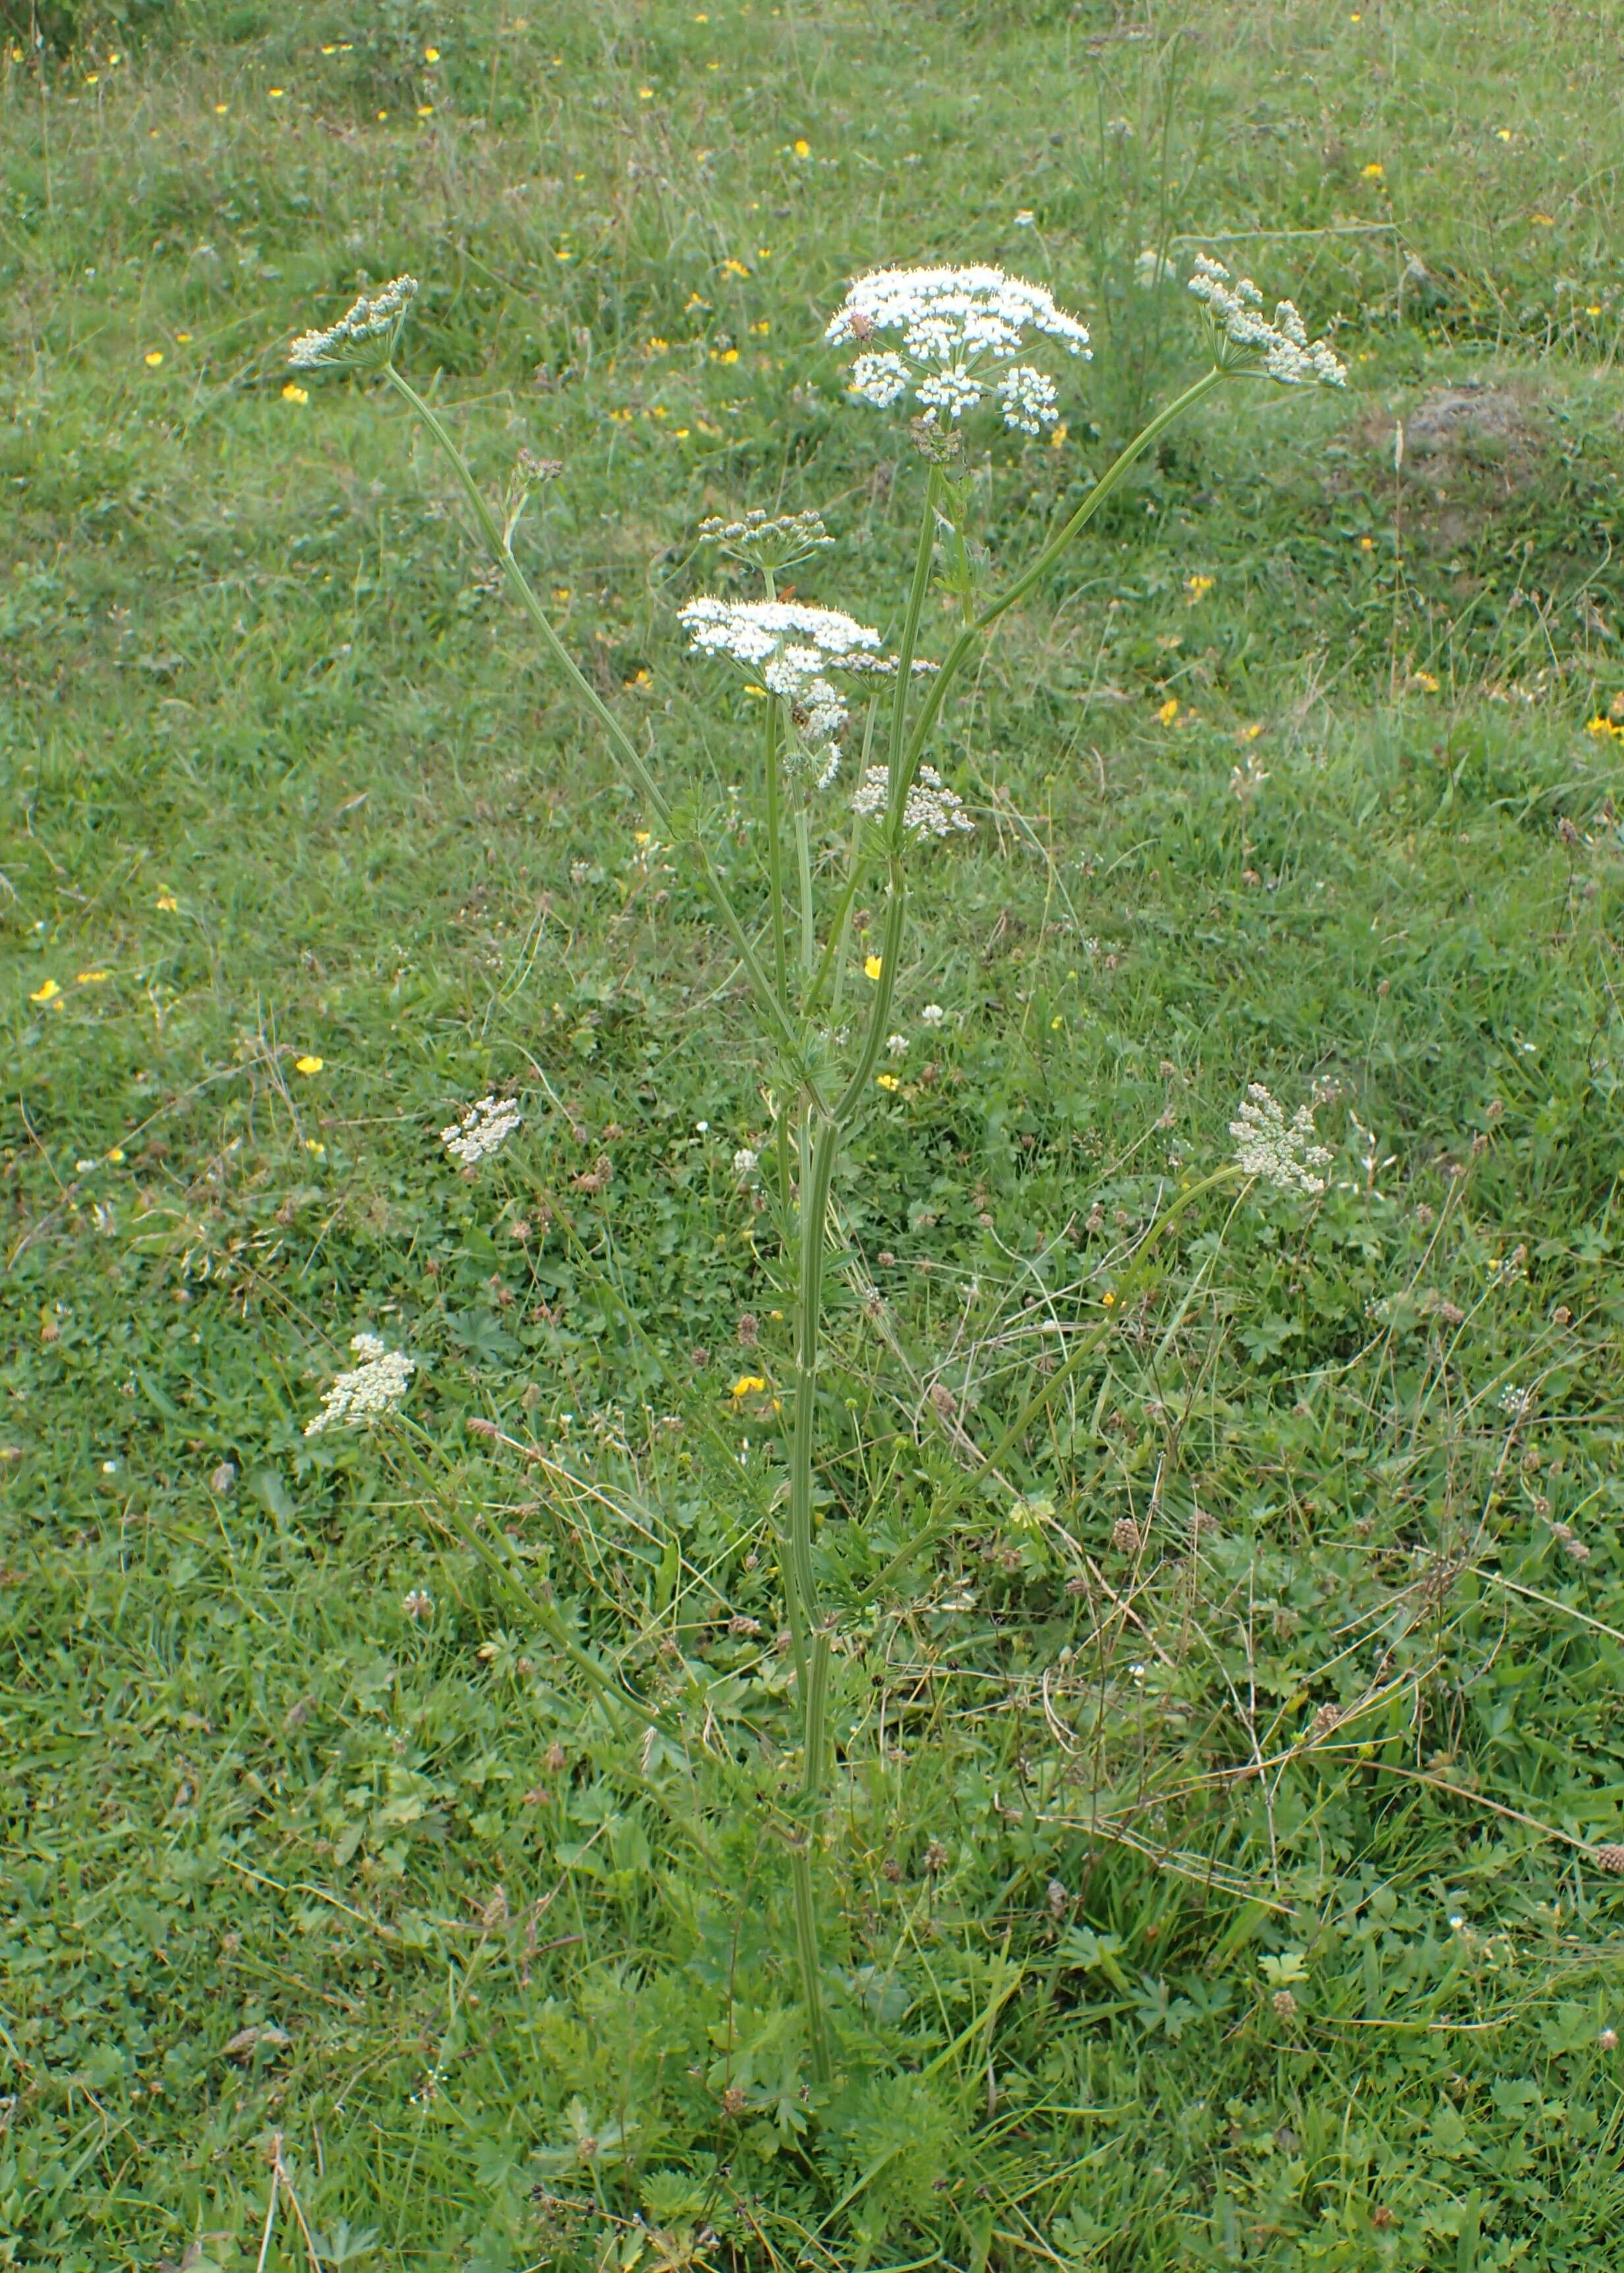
(924, 552)
(619, 741)
(808, 928)
(775, 849)
(1109, 480)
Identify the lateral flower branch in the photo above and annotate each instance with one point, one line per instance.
(959, 344)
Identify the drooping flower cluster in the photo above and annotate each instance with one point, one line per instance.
(932, 809)
(793, 649)
(780, 542)
(480, 1128)
(372, 1389)
(1283, 346)
(1279, 1151)
(958, 329)
(363, 333)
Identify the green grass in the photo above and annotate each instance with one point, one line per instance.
(283, 771)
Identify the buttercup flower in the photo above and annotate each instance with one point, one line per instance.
(1282, 347)
(932, 808)
(363, 335)
(371, 1390)
(956, 328)
(1282, 1152)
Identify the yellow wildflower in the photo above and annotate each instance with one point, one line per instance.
(888, 1081)
(802, 148)
(221, 110)
(90, 978)
(1249, 733)
(152, 357)
(1169, 711)
(294, 393)
(872, 966)
(47, 993)
(1542, 220)
(167, 901)
(117, 1156)
(645, 94)
(276, 94)
(1425, 678)
(1197, 587)
(1057, 434)
(431, 54)
(749, 1384)
(1374, 172)
(308, 1064)
(731, 267)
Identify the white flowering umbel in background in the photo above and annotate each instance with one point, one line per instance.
(958, 342)
(368, 1391)
(480, 1130)
(1284, 1153)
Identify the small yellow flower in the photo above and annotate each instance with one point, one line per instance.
(872, 966)
(383, 114)
(167, 901)
(92, 78)
(90, 978)
(802, 148)
(182, 339)
(47, 993)
(1374, 172)
(1592, 308)
(1169, 711)
(117, 1156)
(1425, 678)
(645, 94)
(763, 252)
(760, 331)
(888, 1081)
(329, 49)
(425, 110)
(276, 94)
(308, 1064)
(1197, 587)
(1600, 726)
(1055, 1024)
(1542, 220)
(728, 355)
(431, 54)
(152, 357)
(1367, 544)
(642, 837)
(560, 593)
(681, 433)
(1504, 133)
(294, 393)
(731, 267)
(1108, 1299)
(1249, 733)
(221, 108)
(1057, 434)
(749, 1384)
(314, 1144)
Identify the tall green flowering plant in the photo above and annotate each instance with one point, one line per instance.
(956, 344)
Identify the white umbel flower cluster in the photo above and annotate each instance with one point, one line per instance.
(1279, 1151)
(1284, 347)
(793, 649)
(932, 808)
(371, 1390)
(364, 333)
(480, 1130)
(957, 327)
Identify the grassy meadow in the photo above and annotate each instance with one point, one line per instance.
(1226, 1867)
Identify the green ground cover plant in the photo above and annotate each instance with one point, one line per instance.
(1225, 1857)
